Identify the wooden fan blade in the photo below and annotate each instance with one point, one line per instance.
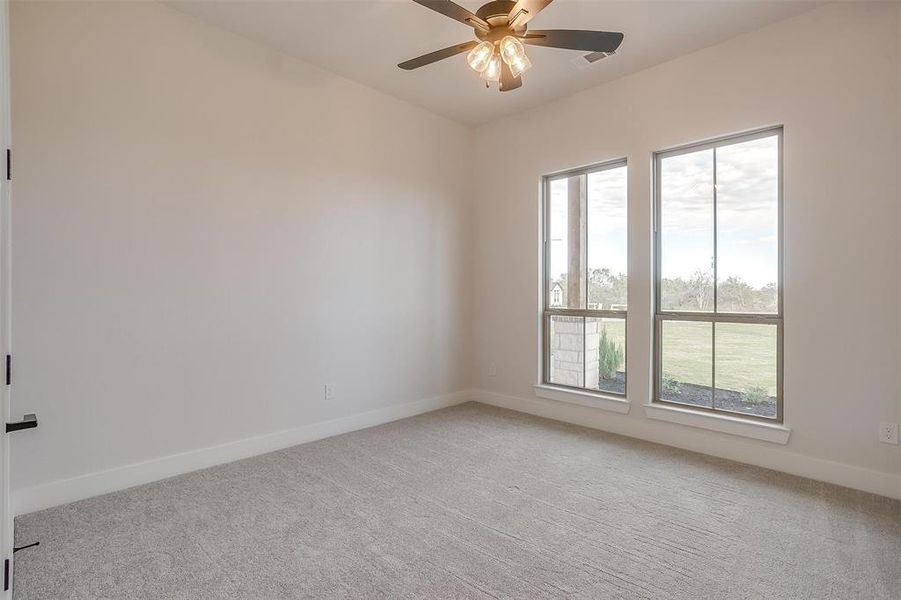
(575, 39)
(427, 59)
(525, 10)
(455, 12)
(508, 81)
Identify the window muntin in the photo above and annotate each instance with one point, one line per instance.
(718, 320)
(585, 279)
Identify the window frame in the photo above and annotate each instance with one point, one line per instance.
(547, 310)
(714, 317)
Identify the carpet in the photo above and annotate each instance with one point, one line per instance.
(468, 502)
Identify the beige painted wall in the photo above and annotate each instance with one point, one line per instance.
(206, 232)
(839, 106)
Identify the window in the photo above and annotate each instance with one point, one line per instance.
(585, 276)
(718, 321)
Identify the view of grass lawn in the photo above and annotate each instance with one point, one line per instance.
(745, 355)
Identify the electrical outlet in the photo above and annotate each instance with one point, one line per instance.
(492, 369)
(329, 391)
(888, 433)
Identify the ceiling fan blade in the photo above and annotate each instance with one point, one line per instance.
(575, 39)
(455, 12)
(427, 59)
(508, 81)
(525, 10)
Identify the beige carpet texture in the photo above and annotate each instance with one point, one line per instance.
(468, 502)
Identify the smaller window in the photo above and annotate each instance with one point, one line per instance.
(585, 279)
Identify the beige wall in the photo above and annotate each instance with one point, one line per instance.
(831, 76)
(206, 232)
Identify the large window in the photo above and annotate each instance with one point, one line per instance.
(585, 277)
(718, 323)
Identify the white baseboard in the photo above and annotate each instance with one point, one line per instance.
(775, 458)
(118, 478)
(110, 480)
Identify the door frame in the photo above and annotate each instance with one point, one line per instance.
(6, 522)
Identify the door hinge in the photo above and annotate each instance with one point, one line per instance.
(5, 574)
(9, 369)
(9, 164)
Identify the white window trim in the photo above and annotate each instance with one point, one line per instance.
(593, 400)
(758, 430)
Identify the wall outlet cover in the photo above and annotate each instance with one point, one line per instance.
(329, 391)
(888, 433)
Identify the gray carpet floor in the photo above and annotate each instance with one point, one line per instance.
(468, 502)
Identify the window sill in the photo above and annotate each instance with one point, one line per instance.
(768, 432)
(611, 403)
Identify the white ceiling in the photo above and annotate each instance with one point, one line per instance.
(364, 41)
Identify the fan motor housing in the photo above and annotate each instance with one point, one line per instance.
(497, 15)
(494, 11)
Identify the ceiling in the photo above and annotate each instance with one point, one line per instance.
(364, 41)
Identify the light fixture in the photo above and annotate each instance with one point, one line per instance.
(518, 65)
(501, 30)
(511, 48)
(479, 57)
(492, 73)
(514, 54)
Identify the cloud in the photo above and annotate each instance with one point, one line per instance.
(747, 180)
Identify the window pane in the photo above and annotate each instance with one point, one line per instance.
(567, 346)
(686, 232)
(605, 355)
(607, 239)
(566, 271)
(747, 213)
(686, 362)
(746, 368)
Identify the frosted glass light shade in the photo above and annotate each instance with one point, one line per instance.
(479, 57)
(512, 50)
(519, 65)
(492, 73)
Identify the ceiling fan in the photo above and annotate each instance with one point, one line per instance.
(501, 28)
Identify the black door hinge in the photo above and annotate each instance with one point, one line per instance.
(9, 164)
(5, 574)
(9, 369)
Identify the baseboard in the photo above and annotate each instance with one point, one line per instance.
(110, 480)
(64, 491)
(775, 458)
